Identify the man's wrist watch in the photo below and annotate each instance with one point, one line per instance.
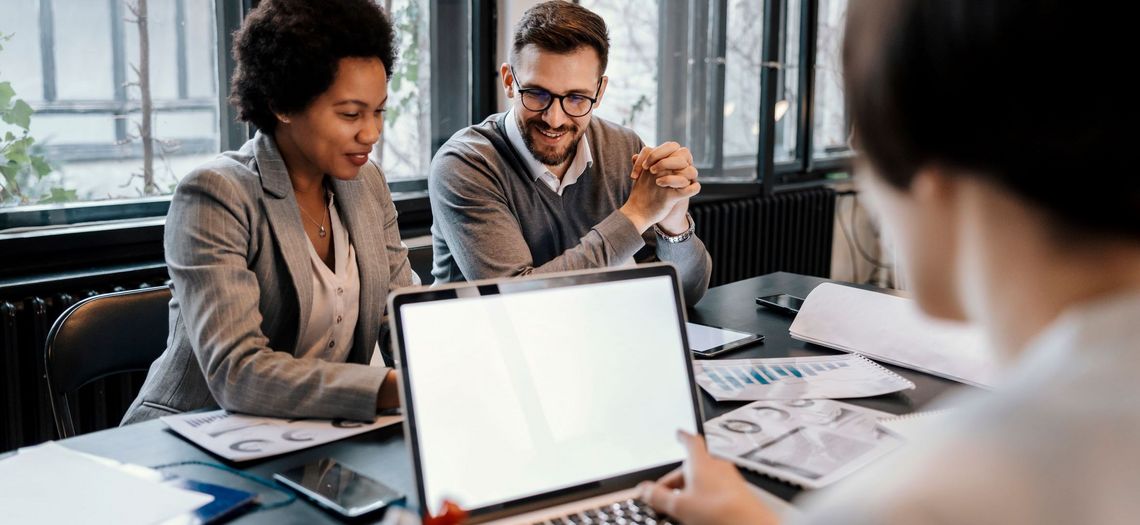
(682, 237)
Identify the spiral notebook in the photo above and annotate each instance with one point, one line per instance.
(819, 377)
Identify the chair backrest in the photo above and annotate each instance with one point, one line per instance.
(101, 336)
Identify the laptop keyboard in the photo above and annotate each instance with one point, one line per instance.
(625, 512)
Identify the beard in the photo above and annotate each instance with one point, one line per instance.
(550, 156)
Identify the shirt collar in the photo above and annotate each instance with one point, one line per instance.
(583, 158)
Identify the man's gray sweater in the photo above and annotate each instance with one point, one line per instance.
(492, 219)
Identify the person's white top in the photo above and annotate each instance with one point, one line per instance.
(1059, 442)
(583, 159)
(336, 298)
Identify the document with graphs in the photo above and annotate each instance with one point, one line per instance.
(238, 437)
(816, 377)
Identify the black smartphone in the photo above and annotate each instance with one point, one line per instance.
(783, 302)
(337, 487)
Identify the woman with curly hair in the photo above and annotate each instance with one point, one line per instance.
(282, 253)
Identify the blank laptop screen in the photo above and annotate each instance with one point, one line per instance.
(519, 394)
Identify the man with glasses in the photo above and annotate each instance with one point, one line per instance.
(545, 187)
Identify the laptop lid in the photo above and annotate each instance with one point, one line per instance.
(525, 393)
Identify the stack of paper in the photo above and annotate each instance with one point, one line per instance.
(52, 484)
(893, 330)
(831, 377)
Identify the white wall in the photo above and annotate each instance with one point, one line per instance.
(850, 264)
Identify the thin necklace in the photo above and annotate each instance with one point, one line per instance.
(321, 225)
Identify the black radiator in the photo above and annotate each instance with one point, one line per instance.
(26, 315)
(788, 231)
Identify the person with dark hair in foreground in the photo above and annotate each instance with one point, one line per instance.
(548, 187)
(1012, 209)
(282, 253)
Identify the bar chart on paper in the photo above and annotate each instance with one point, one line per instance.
(823, 377)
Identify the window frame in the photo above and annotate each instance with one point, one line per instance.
(451, 69)
(54, 238)
(231, 133)
(53, 230)
(804, 168)
(706, 28)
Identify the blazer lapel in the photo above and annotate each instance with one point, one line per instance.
(282, 212)
(364, 222)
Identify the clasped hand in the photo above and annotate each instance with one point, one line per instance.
(662, 198)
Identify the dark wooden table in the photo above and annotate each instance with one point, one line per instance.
(381, 454)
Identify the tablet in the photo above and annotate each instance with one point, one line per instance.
(709, 341)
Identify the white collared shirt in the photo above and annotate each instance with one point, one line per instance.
(331, 326)
(583, 159)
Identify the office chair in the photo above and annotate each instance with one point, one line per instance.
(102, 336)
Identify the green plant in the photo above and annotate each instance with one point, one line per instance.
(18, 161)
(643, 103)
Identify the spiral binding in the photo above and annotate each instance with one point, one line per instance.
(884, 369)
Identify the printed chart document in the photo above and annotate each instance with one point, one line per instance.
(810, 443)
(50, 483)
(830, 377)
(238, 437)
(893, 330)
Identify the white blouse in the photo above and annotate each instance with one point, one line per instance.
(328, 335)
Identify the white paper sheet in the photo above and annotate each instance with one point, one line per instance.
(826, 377)
(50, 484)
(703, 337)
(239, 437)
(893, 330)
(811, 443)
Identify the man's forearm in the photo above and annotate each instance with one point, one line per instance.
(677, 221)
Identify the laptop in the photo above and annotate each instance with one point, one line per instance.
(548, 398)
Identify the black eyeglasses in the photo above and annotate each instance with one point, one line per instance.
(574, 105)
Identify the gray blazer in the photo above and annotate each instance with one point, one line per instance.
(242, 285)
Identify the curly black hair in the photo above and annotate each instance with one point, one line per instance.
(287, 53)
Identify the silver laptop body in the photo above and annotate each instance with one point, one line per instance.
(541, 398)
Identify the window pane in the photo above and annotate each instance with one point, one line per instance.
(742, 82)
(404, 150)
(831, 128)
(787, 102)
(631, 98)
(83, 40)
(74, 63)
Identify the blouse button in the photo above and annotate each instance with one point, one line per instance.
(332, 344)
(340, 291)
(339, 318)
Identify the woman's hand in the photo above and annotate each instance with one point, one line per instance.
(389, 395)
(705, 491)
